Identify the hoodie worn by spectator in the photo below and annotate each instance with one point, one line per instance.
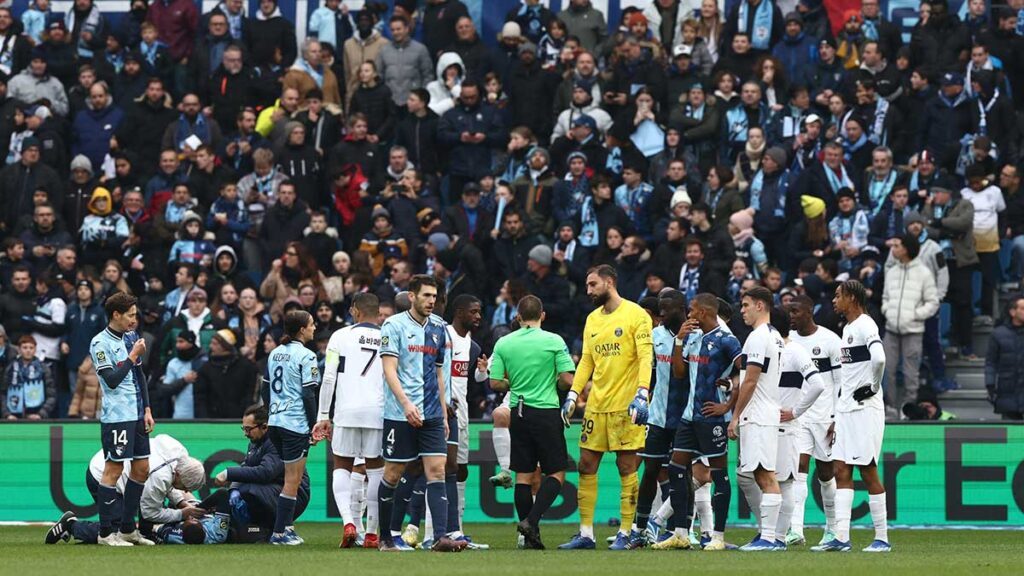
(442, 97)
(270, 34)
(27, 87)
(28, 388)
(103, 230)
(191, 248)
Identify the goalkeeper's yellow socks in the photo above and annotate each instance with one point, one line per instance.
(587, 499)
(628, 486)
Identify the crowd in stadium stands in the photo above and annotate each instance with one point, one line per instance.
(225, 171)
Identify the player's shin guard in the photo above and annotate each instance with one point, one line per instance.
(720, 499)
(627, 500)
(373, 478)
(451, 487)
(524, 500)
(702, 507)
(844, 509)
(385, 501)
(437, 502)
(358, 498)
(679, 478)
(550, 488)
(828, 502)
(796, 521)
(785, 510)
(586, 498)
(770, 506)
(752, 493)
(502, 440)
(107, 504)
(876, 503)
(285, 513)
(132, 496)
(341, 484)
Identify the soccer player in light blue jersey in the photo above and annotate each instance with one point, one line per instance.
(125, 420)
(667, 398)
(412, 350)
(709, 355)
(292, 378)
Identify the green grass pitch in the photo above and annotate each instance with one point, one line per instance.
(931, 552)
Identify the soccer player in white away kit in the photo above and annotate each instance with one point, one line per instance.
(817, 418)
(797, 369)
(860, 419)
(354, 369)
(756, 418)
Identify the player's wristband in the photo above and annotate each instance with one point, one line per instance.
(678, 341)
(323, 416)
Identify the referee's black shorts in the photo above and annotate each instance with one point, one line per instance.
(538, 437)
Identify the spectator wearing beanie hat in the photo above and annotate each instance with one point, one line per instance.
(381, 235)
(176, 389)
(543, 282)
(532, 17)
(195, 317)
(228, 382)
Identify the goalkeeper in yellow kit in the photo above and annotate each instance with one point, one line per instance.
(618, 353)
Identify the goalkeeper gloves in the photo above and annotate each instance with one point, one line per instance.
(568, 407)
(638, 408)
(863, 393)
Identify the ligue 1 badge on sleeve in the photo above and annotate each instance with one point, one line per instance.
(101, 356)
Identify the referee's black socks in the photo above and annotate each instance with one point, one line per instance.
(523, 496)
(550, 488)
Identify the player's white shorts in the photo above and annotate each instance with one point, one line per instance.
(859, 437)
(462, 412)
(758, 447)
(812, 438)
(787, 458)
(355, 442)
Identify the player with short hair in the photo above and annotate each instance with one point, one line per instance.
(797, 369)
(706, 355)
(531, 364)
(817, 418)
(860, 419)
(352, 369)
(125, 419)
(618, 354)
(466, 361)
(290, 381)
(667, 399)
(415, 424)
(756, 416)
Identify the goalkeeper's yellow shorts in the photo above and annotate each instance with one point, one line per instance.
(611, 432)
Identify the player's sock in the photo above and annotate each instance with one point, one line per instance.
(844, 509)
(785, 510)
(341, 483)
(428, 521)
(828, 502)
(770, 505)
(664, 510)
(587, 499)
(358, 495)
(702, 505)
(796, 521)
(451, 487)
(132, 496)
(462, 500)
(627, 500)
(385, 502)
(285, 513)
(437, 503)
(415, 502)
(550, 488)
(502, 440)
(679, 477)
(107, 503)
(753, 495)
(523, 497)
(372, 505)
(720, 499)
(876, 502)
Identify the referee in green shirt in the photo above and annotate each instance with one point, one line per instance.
(533, 363)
